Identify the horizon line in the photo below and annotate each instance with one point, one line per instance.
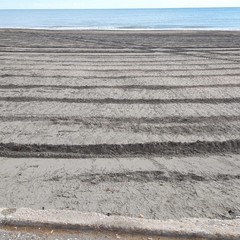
(111, 8)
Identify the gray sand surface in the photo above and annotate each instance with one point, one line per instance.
(154, 187)
(128, 122)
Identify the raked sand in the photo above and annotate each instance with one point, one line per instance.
(121, 122)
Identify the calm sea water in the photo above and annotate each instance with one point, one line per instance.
(202, 18)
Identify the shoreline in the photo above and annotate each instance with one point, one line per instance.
(124, 29)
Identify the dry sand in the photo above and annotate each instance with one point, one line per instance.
(130, 123)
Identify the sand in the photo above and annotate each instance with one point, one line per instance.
(128, 122)
(154, 187)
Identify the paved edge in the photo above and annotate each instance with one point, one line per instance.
(73, 220)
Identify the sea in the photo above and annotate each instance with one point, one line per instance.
(124, 19)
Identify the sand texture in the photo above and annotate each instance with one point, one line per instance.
(121, 122)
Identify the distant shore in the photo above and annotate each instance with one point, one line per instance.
(147, 30)
(125, 29)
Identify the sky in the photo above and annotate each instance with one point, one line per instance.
(96, 4)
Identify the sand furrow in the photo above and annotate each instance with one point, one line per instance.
(137, 87)
(226, 100)
(112, 150)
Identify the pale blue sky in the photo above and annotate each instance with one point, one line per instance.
(85, 4)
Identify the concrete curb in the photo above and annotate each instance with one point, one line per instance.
(202, 228)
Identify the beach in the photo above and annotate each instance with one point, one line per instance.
(135, 123)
